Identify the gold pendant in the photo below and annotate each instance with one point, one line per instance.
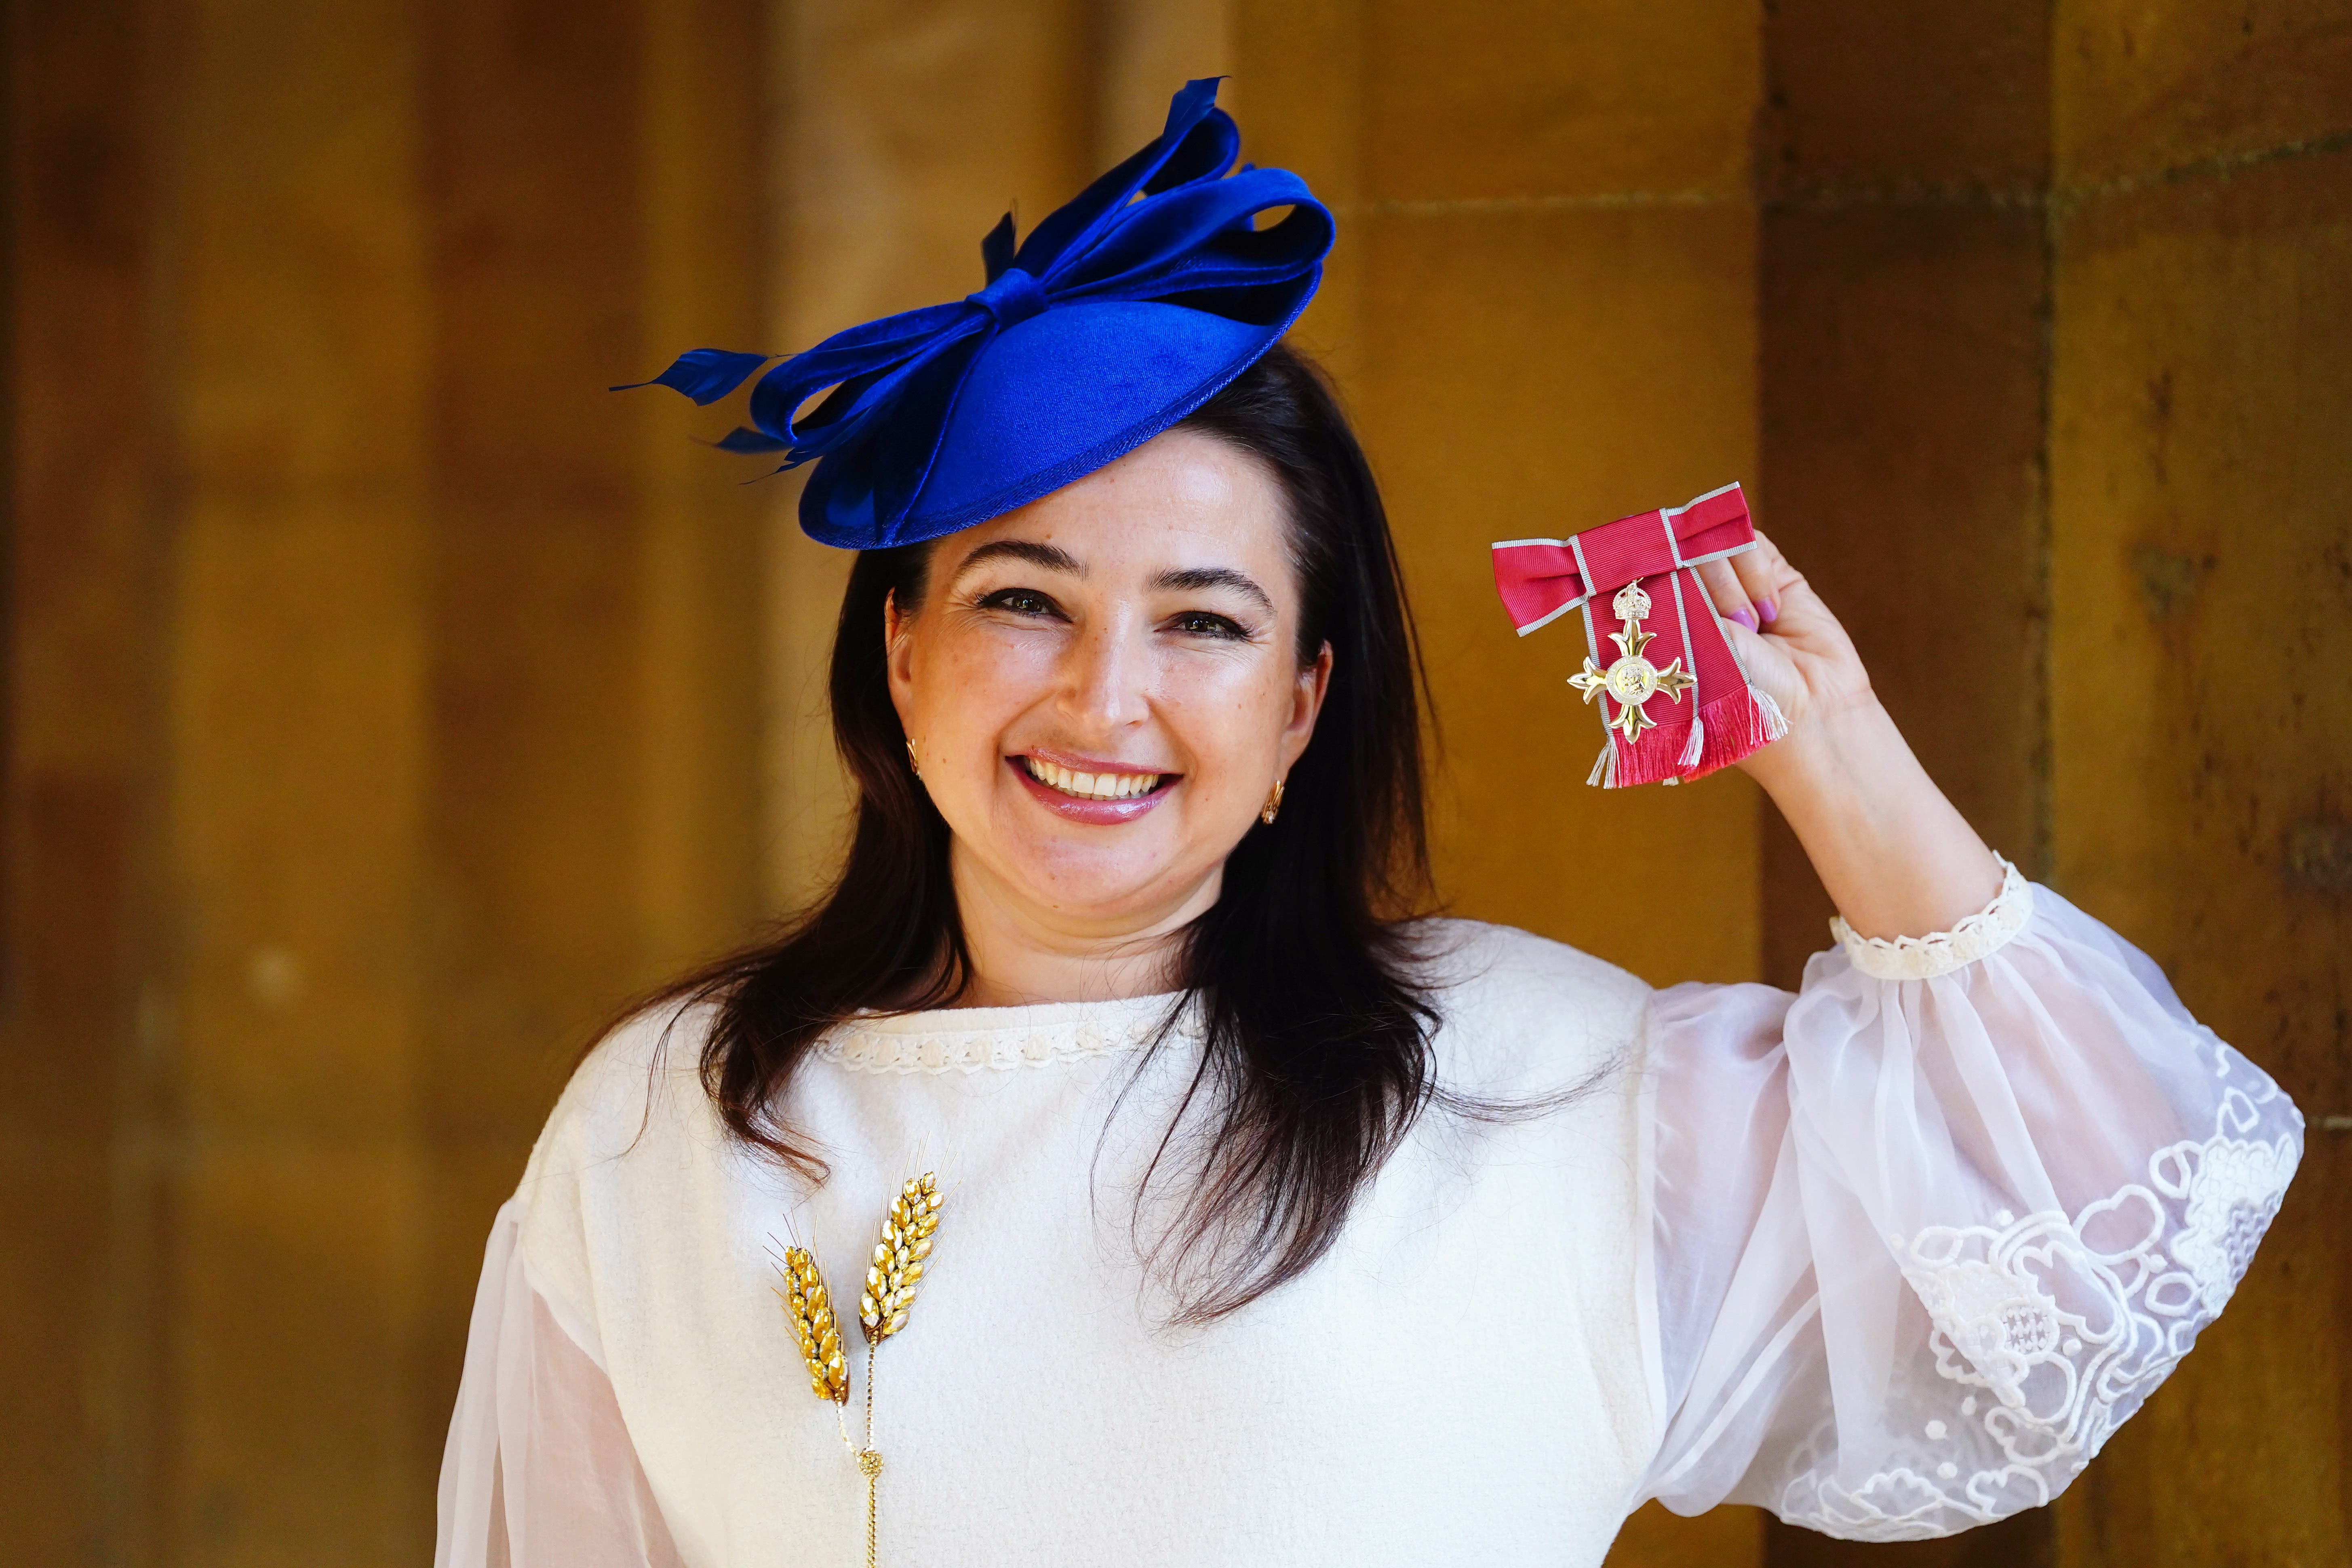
(1632, 680)
(869, 1465)
(882, 1311)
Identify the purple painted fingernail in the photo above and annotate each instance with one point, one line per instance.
(1744, 617)
(1768, 611)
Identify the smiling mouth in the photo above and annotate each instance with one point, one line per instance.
(1092, 786)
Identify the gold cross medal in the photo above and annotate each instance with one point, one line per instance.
(1632, 680)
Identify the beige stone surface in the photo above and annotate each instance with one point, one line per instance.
(2202, 585)
(1904, 351)
(2021, 1541)
(1143, 51)
(81, 646)
(355, 773)
(697, 697)
(293, 1311)
(299, 679)
(2143, 85)
(1520, 99)
(1730, 1537)
(1603, 363)
(2191, 430)
(1303, 65)
(1870, 100)
(297, 756)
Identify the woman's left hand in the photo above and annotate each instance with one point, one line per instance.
(1794, 649)
(1889, 847)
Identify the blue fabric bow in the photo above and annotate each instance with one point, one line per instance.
(1119, 314)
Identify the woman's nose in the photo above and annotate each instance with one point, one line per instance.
(1102, 683)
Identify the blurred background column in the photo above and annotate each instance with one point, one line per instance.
(2055, 411)
(2201, 679)
(288, 985)
(79, 1092)
(1902, 157)
(384, 707)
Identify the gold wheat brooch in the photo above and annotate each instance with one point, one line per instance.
(891, 1277)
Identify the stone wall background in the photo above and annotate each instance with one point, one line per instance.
(385, 703)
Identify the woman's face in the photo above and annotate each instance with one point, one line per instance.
(1103, 688)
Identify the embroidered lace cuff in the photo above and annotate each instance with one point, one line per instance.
(1980, 935)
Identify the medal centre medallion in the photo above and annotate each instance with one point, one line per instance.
(1632, 680)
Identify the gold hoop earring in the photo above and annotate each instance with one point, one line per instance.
(913, 766)
(1273, 806)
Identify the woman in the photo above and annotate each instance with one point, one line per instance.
(1260, 1222)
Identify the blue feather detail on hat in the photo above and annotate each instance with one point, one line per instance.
(704, 374)
(1120, 313)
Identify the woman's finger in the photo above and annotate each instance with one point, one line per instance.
(1762, 573)
(1730, 596)
(1759, 583)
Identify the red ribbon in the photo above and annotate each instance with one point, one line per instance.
(1718, 722)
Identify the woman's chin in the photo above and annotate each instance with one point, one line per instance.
(1099, 885)
(1135, 870)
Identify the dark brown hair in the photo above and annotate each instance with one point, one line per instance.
(1316, 1054)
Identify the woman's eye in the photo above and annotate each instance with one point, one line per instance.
(1019, 602)
(1201, 624)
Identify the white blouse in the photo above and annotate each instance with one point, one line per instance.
(1891, 1257)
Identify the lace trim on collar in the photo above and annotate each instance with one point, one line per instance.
(1980, 935)
(998, 1039)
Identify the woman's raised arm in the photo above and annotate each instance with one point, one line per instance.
(1896, 857)
(1925, 1234)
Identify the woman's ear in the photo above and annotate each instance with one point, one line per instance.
(897, 653)
(1307, 702)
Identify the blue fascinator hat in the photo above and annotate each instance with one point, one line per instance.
(1120, 314)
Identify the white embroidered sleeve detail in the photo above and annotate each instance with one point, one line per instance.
(1920, 1248)
(1980, 935)
(2048, 1332)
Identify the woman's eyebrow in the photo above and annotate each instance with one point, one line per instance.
(1192, 579)
(1051, 557)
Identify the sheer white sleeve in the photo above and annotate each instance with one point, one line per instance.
(539, 1471)
(1926, 1232)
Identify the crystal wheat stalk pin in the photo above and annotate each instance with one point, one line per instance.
(809, 1308)
(898, 1264)
(882, 1310)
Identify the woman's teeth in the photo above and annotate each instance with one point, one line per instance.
(1091, 786)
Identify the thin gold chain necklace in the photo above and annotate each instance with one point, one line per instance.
(895, 1270)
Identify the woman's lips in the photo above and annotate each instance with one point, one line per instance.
(1101, 812)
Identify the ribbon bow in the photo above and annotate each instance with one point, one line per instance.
(1172, 225)
(1634, 580)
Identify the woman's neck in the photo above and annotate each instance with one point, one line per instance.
(1025, 953)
